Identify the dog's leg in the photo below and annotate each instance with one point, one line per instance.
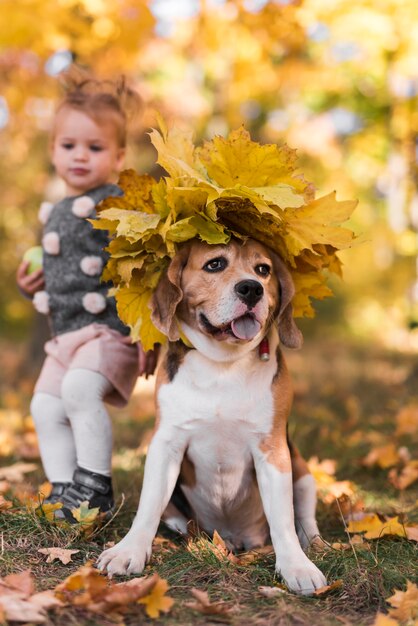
(274, 476)
(304, 500)
(162, 468)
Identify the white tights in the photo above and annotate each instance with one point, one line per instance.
(74, 429)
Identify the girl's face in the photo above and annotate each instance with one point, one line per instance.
(85, 154)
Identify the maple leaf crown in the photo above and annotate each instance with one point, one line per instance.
(232, 187)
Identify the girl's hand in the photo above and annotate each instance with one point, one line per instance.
(148, 360)
(29, 284)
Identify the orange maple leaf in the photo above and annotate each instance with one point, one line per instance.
(405, 603)
(156, 601)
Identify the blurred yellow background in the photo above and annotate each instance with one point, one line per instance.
(336, 80)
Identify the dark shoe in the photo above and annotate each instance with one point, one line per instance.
(57, 493)
(96, 489)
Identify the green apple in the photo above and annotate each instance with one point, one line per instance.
(34, 256)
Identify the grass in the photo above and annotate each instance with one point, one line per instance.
(347, 397)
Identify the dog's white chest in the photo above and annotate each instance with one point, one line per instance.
(219, 398)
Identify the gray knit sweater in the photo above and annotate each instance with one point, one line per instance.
(73, 260)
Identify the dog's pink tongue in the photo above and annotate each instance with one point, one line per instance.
(245, 327)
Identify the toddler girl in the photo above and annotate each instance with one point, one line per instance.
(90, 357)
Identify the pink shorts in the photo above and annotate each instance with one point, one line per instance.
(94, 347)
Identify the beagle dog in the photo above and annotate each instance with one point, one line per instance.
(220, 453)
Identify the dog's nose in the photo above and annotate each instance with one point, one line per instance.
(249, 291)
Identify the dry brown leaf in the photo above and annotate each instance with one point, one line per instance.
(356, 540)
(327, 588)
(407, 475)
(156, 601)
(16, 473)
(253, 555)
(22, 582)
(404, 603)
(412, 533)
(19, 603)
(161, 543)
(18, 609)
(64, 555)
(87, 580)
(271, 592)
(117, 597)
(204, 605)
(221, 549)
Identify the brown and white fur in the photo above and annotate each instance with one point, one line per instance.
(220, 439)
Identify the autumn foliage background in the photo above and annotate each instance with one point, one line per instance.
(336, 80)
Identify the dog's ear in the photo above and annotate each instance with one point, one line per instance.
(289, 333)
(168, 296)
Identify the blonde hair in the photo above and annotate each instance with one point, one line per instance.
(100, 99)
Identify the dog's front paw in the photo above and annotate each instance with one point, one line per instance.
(126, 557)
(301, 575)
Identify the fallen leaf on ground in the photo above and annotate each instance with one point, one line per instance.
(384, 456)
(271, 592)
(202, 545)
(406, 476)
(220, 547)
(93, 591)
(356, 540)
(156, 601)
(19, 603)
(407, 420)
(376, 528)
(16, 473)
(84, 515)
(384, 620)
(47, 510)
(117, 597)
(22, 582)
(327, 588)
(328, 487)
(87, 580)
(5, 504)
(404, 603)
(412, 532)
(64, 555)
(253, 555)
(204, 605)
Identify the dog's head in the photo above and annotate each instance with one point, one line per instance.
(229, 293)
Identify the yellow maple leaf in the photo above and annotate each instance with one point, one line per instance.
(238, 160)
(315, 223)
(405, 603)
(156, 601)
(84, 515)
(133, 308)
(47, 510)
(384, 456)
(375, 528)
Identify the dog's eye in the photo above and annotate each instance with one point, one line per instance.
(215, 265)
(263, 269)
